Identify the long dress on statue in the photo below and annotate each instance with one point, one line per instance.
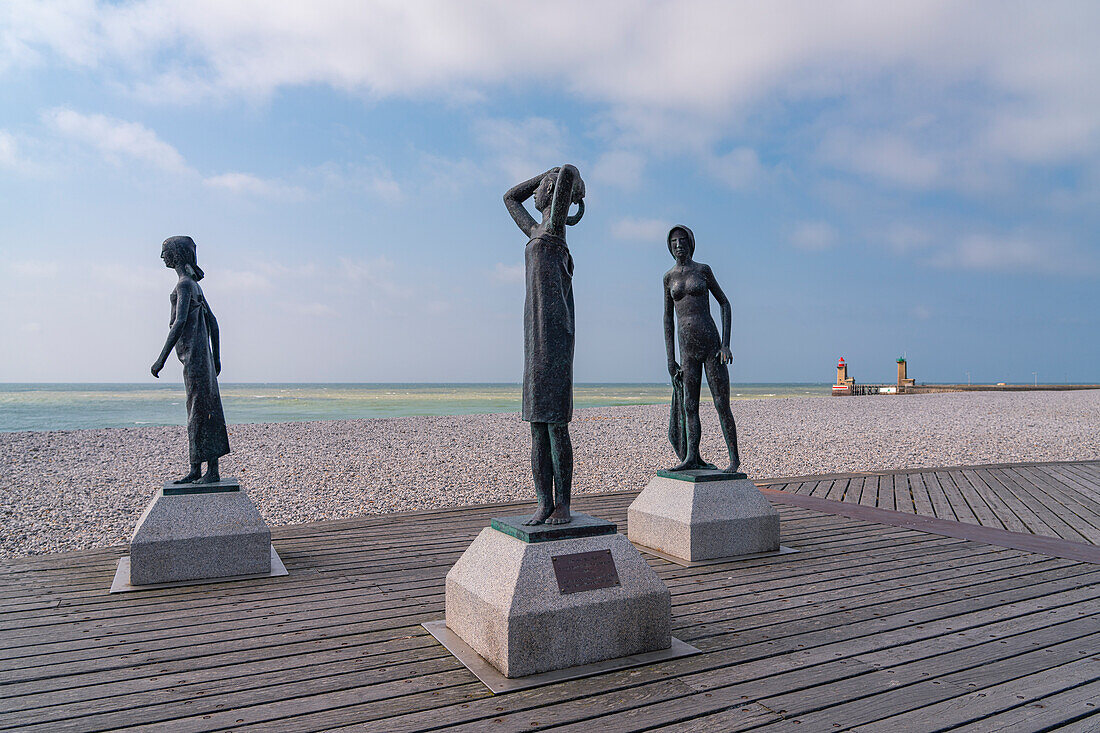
(548, 331)
(207, 437)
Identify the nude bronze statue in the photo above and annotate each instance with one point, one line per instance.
(548, 323)
(193, 331)
(688, 287)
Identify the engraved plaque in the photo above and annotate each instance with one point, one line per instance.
(580, 571)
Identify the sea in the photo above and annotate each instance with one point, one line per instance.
(85, 406)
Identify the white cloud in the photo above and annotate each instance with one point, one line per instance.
(904, 238)
(316, 310)
(522, 148)
(641, 230)
(243, 280)
(669, 75)
(814, 236)
(35, 268)
(1013, 252)
(739, 169)
(508, 273)
(116, 139)
(883, 156)
(246, 183)
(133, 278)
(9, 155)
(619, 168)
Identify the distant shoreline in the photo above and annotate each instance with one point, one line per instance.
(89, 406)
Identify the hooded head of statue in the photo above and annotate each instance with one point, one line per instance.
(688, 244)
(181, 251)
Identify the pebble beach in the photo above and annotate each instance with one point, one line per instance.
(81, 489)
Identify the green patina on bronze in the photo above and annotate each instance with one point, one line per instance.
(582, 525)
(173, 489)
(701, 475)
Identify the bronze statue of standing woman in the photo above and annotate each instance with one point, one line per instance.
(194, 334)
(688, 287)
(548, 333)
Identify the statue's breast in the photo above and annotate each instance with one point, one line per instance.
(688, 284)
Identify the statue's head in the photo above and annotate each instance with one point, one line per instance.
(180, 251)
(544, 194)
(681, 242)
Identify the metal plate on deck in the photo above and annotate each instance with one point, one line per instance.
(581, 571)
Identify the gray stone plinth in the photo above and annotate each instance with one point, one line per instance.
(196, 536)
(703, 520)
(503, 600)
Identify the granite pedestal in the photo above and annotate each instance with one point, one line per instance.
(199, 531)
(529, 600)
(703, 515)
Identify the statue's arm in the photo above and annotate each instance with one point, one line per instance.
(568, 175)
(514, 199)
(183, 302)
(670, 330)
(727, 313)
(215, 338)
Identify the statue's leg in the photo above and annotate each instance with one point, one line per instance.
(196, 472)
(212, 476)
(542, 469)
(718, 379)
(693, 378)
(561, 449)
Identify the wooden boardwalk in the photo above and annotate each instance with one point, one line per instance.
(1051, 499)
(871, 627)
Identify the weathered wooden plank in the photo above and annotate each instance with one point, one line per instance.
(717, 690)
(959, 505)
(1043, 505)
(921, 498)
(1007, 493)
(903, 702)
(869, 495)
(940, 505)
(1029, 542)
(1043, 713)
(977, 503)
(419, 713)
(336, 643)
(975, 706)
(1066, 503)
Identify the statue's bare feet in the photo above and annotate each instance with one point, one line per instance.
(209, 478)
(560, 516)
(189, 478)
(734, 467)
(691, 463)
(540, 515)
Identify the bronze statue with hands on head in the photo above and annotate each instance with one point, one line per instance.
(194, 333)
(688, 287)
(548, 339)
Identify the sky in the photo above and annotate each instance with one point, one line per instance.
(866, 180)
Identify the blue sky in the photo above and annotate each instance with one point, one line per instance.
(866, 180)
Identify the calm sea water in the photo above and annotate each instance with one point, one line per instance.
(80, 406)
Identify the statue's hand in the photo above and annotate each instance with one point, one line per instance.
(217, 367)
(673, 369)
(157, 366)
(578, 190)
(725, 356)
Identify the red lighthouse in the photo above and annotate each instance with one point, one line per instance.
(843, 381)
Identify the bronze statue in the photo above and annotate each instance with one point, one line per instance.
(548, 322)
(688, 287)
(194, 332)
